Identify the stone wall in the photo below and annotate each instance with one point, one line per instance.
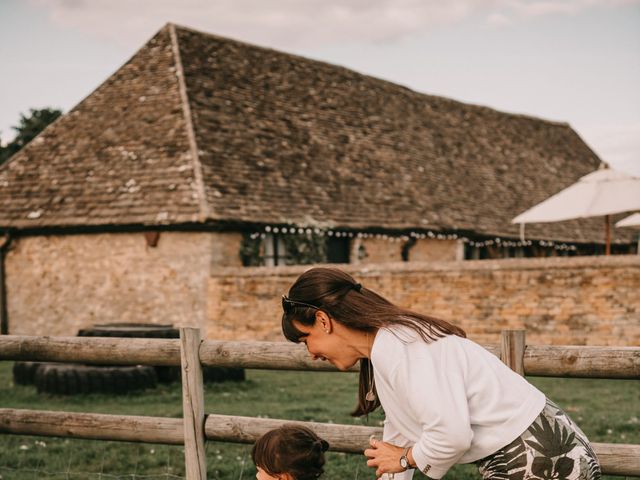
(60, 283)
(375, 250)
(431, 250)
(381, 250)
(571, 300)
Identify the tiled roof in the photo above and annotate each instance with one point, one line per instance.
(201, 129)
(121, 156)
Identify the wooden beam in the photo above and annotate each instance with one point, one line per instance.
(582, 361)
(539, 360)
(607, 235)
(272, 355)
(616, 459)
(341, 438)
(193, 405)
(93, 426)
(92, 350)
(512, 350)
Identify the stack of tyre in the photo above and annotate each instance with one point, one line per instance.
(138, 330)
(73, 379)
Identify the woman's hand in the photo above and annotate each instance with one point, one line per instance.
(384, 456)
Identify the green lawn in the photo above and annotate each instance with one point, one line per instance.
(607, 410)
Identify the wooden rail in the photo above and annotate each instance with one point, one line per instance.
(93, 426)
(538, 360)
(193, 404)
(190, 352)
(616, 459)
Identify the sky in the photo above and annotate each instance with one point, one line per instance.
(575, 61)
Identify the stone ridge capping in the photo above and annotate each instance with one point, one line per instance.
(547, 263)
(182, 86)
(394, 85)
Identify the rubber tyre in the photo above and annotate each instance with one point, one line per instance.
(24, 373)
(222, 374)
(150, 330)
(74, 379)
(136, 330)
(130, 330)
(168, 374)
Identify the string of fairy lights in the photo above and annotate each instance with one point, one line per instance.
(429, 234)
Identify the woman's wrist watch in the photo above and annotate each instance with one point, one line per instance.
(404, 459)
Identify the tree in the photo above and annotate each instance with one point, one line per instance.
(27, 129)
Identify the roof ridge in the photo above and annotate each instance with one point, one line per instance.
(186, 109)
(559, 123)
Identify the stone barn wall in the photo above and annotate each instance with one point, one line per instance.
(58, 284)
(379, 250)
(579, 300)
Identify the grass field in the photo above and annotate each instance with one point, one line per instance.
(607, 410)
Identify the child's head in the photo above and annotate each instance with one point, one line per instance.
(290, 452)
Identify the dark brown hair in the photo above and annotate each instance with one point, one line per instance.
(292, 449)
(338, 295)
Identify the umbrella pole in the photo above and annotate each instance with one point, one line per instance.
(607, 225)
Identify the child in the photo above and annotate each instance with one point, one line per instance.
(290, 452)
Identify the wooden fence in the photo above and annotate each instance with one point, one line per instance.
(196, 427)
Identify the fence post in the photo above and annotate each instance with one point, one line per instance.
(192, 405)
(512, 347)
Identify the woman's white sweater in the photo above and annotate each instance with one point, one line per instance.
(450, 399)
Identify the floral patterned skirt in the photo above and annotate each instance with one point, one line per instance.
(553, 447)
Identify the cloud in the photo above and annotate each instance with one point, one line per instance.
(498, 20)
(508, 12)
(528, 9)
(275, 23)
(295, 24)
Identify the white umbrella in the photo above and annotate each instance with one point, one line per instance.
(630, 221)
(603, 192)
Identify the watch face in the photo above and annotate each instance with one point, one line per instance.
(404, 463)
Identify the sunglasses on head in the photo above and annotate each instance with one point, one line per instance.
(288, 304)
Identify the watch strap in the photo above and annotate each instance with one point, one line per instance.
(405, 458)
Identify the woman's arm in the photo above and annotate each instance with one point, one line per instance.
(423, 388)
(436, 398)
(391, 435)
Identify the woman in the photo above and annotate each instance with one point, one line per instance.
(446, 399)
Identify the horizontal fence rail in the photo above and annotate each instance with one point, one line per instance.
(539, 360)
(92, 350)
(92, 426)
(341, 438)
(615, 459)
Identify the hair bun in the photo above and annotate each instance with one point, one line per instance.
(320, 444)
